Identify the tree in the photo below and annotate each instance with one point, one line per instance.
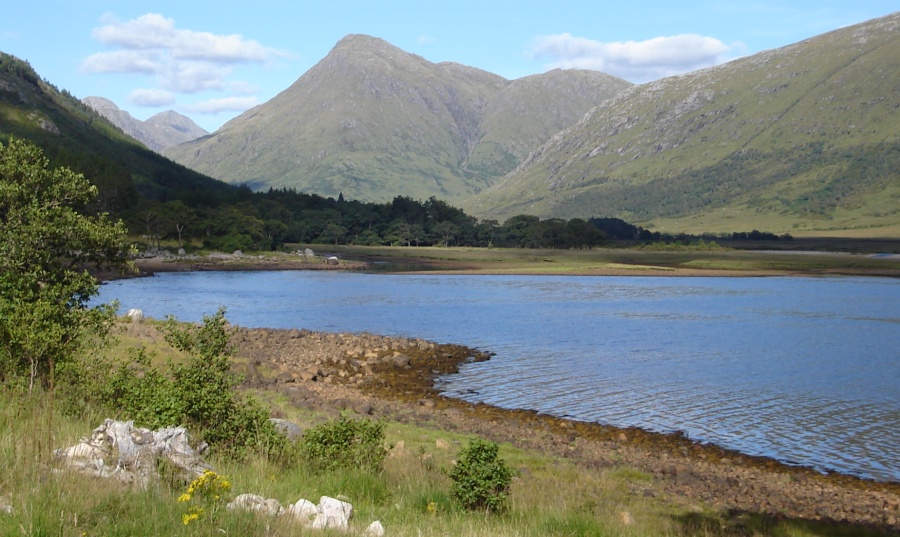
(47, 244)
(333, 233)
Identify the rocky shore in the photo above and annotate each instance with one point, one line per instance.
(393, 378)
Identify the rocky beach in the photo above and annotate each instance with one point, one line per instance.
(393, 378)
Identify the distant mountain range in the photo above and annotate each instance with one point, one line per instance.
(802, 138)
(373, 122)
(157, 133)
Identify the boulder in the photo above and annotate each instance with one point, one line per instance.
(375, 529)
(332, 260)
(304, 511)
(256, 503)
(333, 514)
(309, 253)
(330, 513)
(135, 315)
(398, 360)
(291, 430)
(119, 450)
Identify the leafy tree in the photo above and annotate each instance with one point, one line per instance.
(333, 233)
(47, 244)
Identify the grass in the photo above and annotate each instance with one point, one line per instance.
(724, 261)
(550, 496)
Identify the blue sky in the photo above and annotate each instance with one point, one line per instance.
(212, 60)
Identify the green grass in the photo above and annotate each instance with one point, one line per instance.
(550, 496)
(624, 260)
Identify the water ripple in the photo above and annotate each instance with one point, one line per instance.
(804, 370)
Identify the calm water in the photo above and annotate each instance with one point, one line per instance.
(805, 370)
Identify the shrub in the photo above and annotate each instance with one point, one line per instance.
(200, 393)
(345, 443)
(480, 478)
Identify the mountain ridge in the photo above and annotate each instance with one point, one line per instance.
(372, 121)
(158, 132)
(791, 138)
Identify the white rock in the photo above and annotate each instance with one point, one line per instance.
(6, 506)
(304, 511)
(135, 315)
(333, 514)
(375, 529)
(257, 504)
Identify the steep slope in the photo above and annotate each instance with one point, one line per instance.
(373, 122)
(803, 137)
(158, 132)
(72, 134)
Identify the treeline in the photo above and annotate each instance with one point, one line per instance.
(269, 220)
(644, 235)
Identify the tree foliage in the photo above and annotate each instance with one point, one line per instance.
(200, 393)
(47, 245)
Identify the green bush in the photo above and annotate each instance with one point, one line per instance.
(200, 394)
(345, 443)
(480, 478)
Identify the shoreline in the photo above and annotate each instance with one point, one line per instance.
(614, 261)
(393, 378)
(336, 376)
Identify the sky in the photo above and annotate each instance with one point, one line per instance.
(212, 60)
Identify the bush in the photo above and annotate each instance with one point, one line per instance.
(200, 394)
(345, 443)
(480, 478)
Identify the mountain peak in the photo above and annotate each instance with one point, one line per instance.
(374, 122)
(100, 103)
(157, 133)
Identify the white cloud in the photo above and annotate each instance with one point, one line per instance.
(123, 61)
(637, 61)
(226, 104)
(155, 32)
(194, 77)
(182, 61)
(151, 97)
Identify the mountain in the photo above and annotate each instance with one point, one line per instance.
(372, 122)
(802, 138)
(72, 134)
(158, 132)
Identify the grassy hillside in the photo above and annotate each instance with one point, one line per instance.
(73, 135)
(803, 139)
(372, 122)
